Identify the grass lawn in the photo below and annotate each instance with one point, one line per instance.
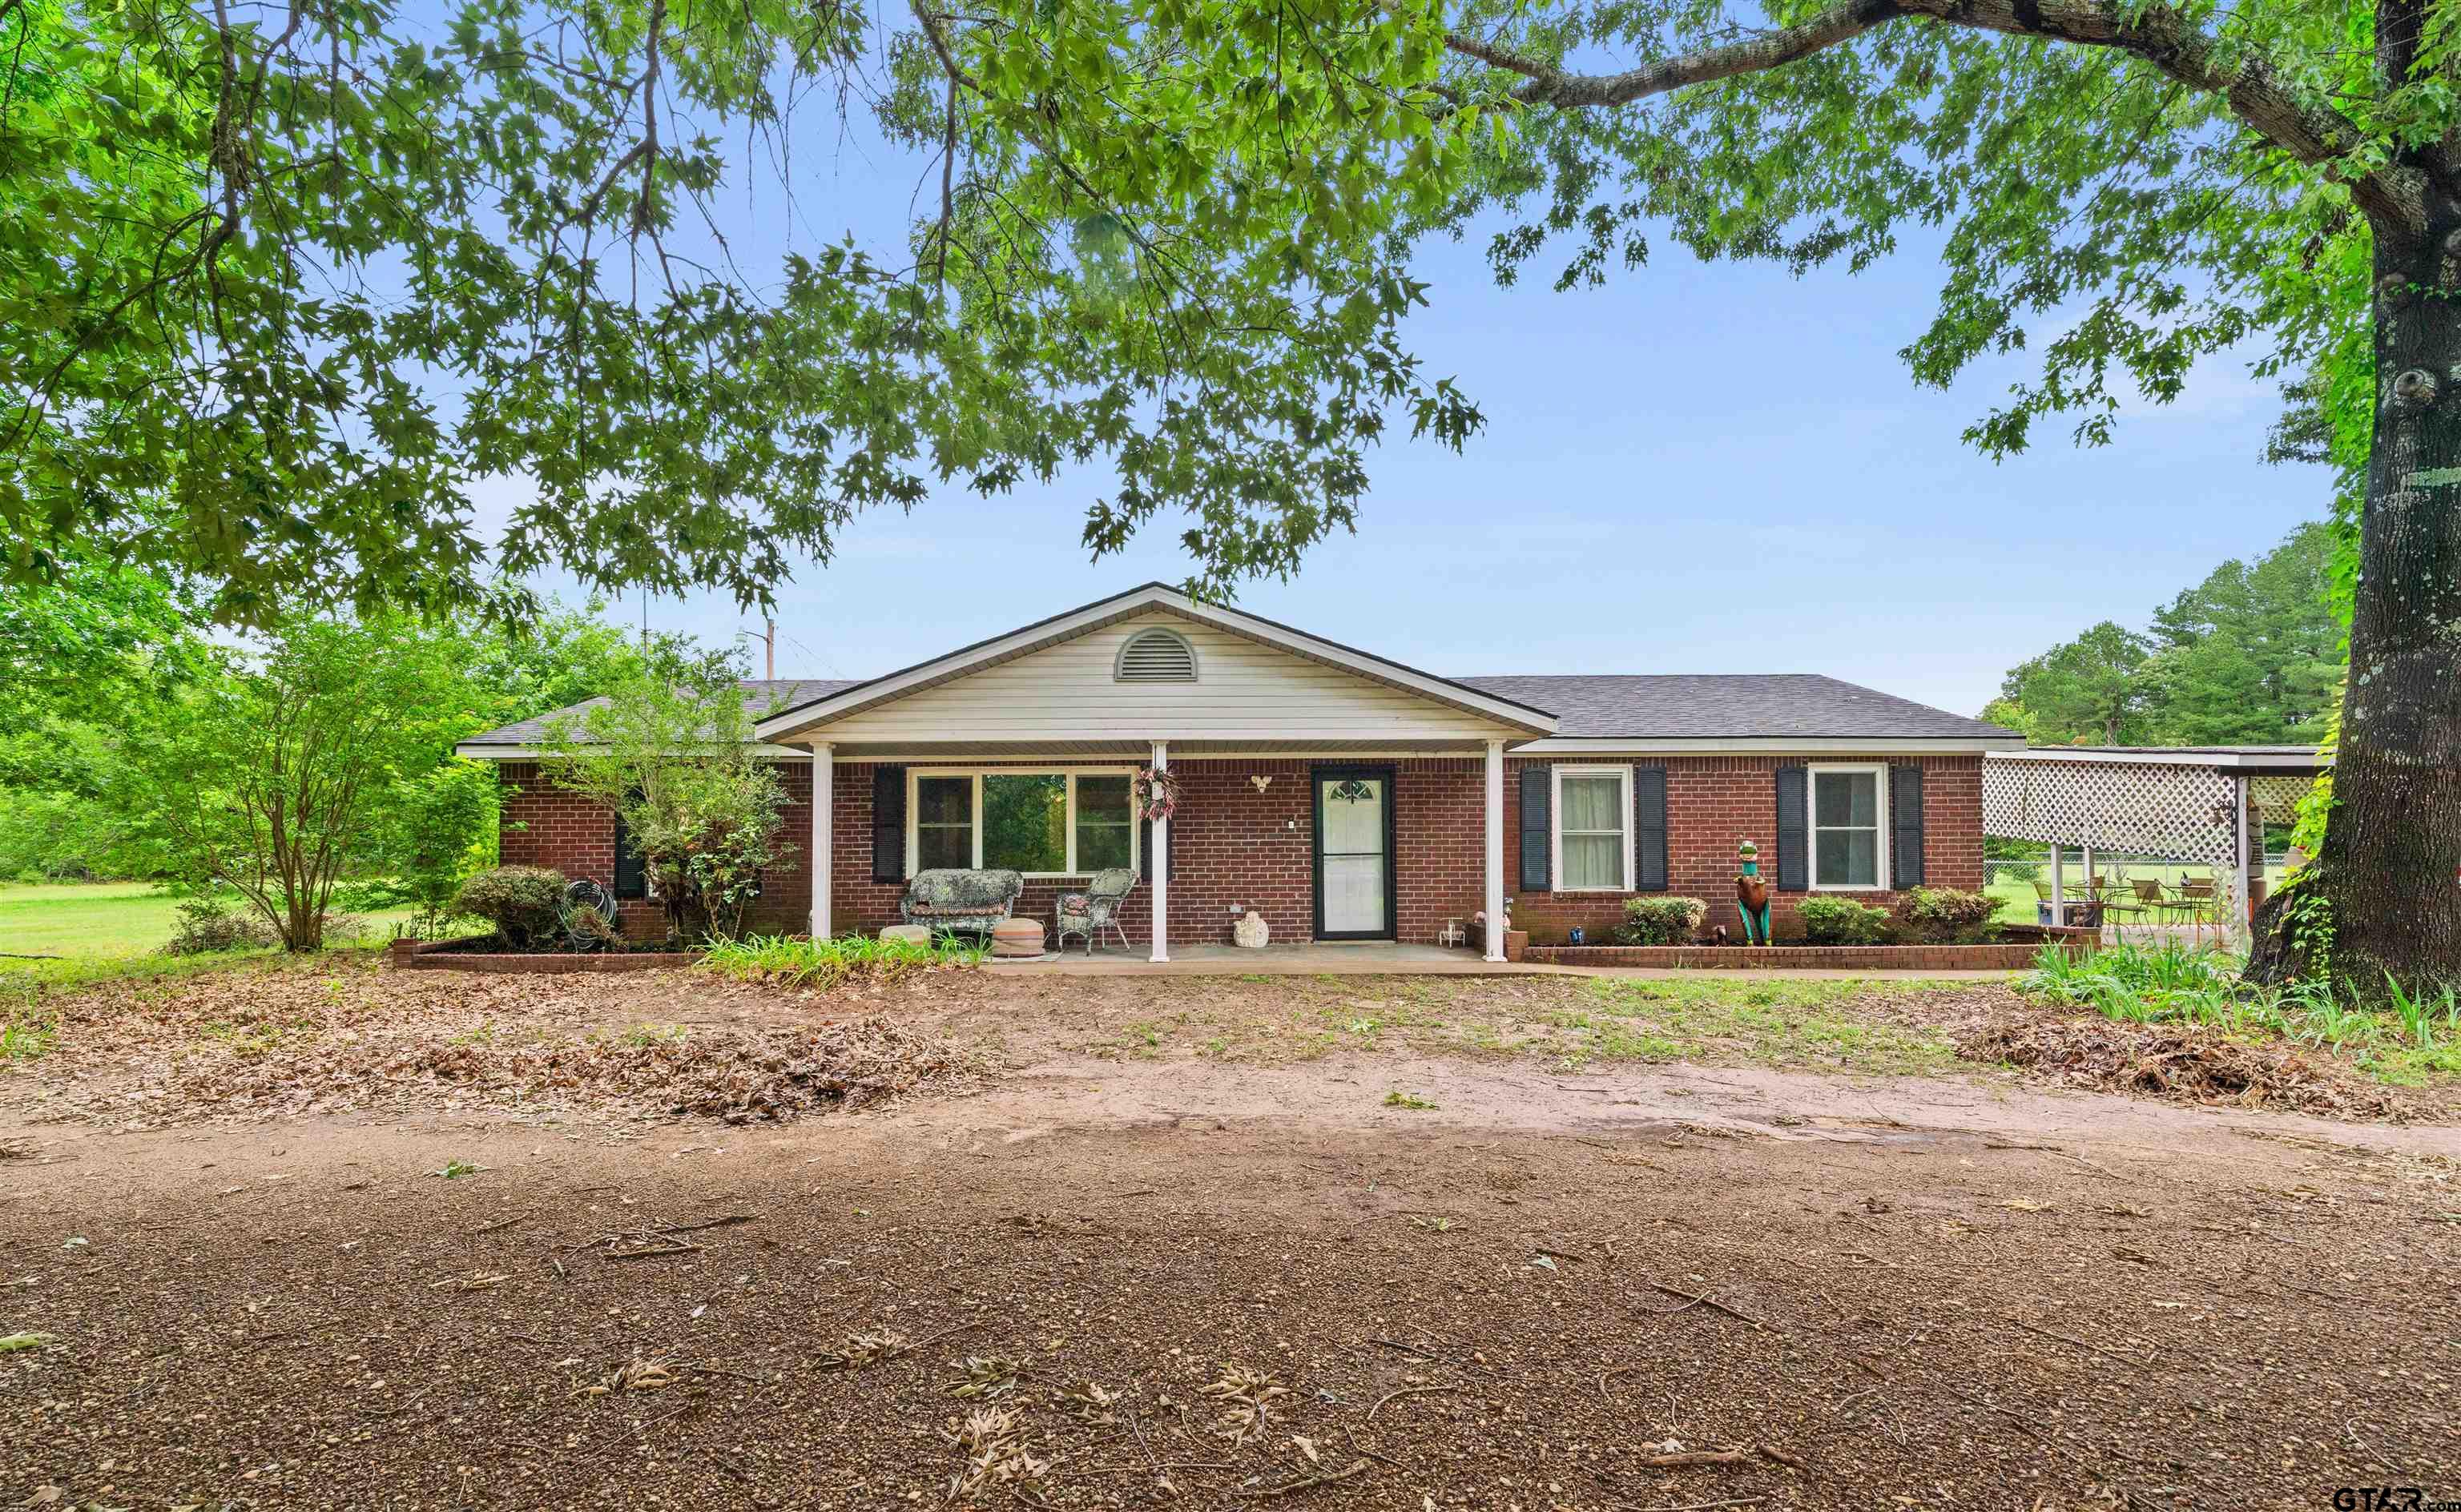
(1569, 1022)
(104, 920)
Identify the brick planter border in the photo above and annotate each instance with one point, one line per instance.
(2016, 955)
(431, 955)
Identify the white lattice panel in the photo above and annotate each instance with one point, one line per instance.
(2275, 799)
(2184, 813)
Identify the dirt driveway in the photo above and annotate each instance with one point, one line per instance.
(1135, 1270)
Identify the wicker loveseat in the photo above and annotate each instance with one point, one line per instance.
(957, 899)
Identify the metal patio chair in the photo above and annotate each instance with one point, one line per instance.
(2198, 899)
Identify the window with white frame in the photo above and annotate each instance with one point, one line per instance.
(1849, 825)
(1041, 823)
(1592, 829)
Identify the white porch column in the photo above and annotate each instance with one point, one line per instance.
(1495, 850)
(1154, 863)
(2058, 883)
(2251, 855)
(823, 806)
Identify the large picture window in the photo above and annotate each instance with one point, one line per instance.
(1592, 829)
(1848, 820)
(1041, 823)
(1025, 820)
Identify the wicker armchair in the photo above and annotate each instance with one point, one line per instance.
(1097, 909)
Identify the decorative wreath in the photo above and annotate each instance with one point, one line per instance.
(1155, 793)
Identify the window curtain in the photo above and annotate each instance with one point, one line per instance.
(1593, 860)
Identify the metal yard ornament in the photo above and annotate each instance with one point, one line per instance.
(1752, 895)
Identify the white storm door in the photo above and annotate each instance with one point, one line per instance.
(1354, 860)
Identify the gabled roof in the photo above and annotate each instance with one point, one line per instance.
(1734, 707)
(759, 696)
(1561, 713)
(820, 707)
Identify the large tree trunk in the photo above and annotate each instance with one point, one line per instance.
(2390, 868)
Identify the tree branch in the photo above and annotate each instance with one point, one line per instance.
(1551, 86)
(2304, 127)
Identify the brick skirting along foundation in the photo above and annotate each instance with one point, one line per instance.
(430, 955)
(1800, 957)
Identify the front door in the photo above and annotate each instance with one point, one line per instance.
(1354, 853)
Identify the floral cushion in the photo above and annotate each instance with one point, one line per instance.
(1075, 903)
(962, 893)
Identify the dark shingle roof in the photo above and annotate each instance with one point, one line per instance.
(760, 697)
(1736, 707)
(1590, 705)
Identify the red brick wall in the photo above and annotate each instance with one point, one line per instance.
(543, 826)
(1713, 804)
(1236, 848)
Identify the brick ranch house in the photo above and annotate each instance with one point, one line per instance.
(1341, 795)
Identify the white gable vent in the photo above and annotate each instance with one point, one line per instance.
(1156, 655)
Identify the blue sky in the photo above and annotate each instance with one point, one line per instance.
(1700, 468)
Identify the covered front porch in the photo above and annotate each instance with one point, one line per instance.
(1334, 793)
(1333, 845)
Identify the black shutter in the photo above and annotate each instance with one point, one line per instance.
(1157, 863)
(631, 880)
(1537, 849)
(888, 823)
(1649, 828)
(1794, 843)
(1906, 827)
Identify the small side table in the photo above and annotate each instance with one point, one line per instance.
(1452, 933)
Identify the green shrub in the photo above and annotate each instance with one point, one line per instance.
(1944, 915)
(526, 904)
(210, 926)
(1661, 921)
(1842, 921)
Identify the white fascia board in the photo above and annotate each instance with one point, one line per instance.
(488, 753)
(1078, 621)
(2221, 760)
(1763, 745)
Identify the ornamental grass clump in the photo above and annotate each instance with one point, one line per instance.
(823, 964)
(2143, 984)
